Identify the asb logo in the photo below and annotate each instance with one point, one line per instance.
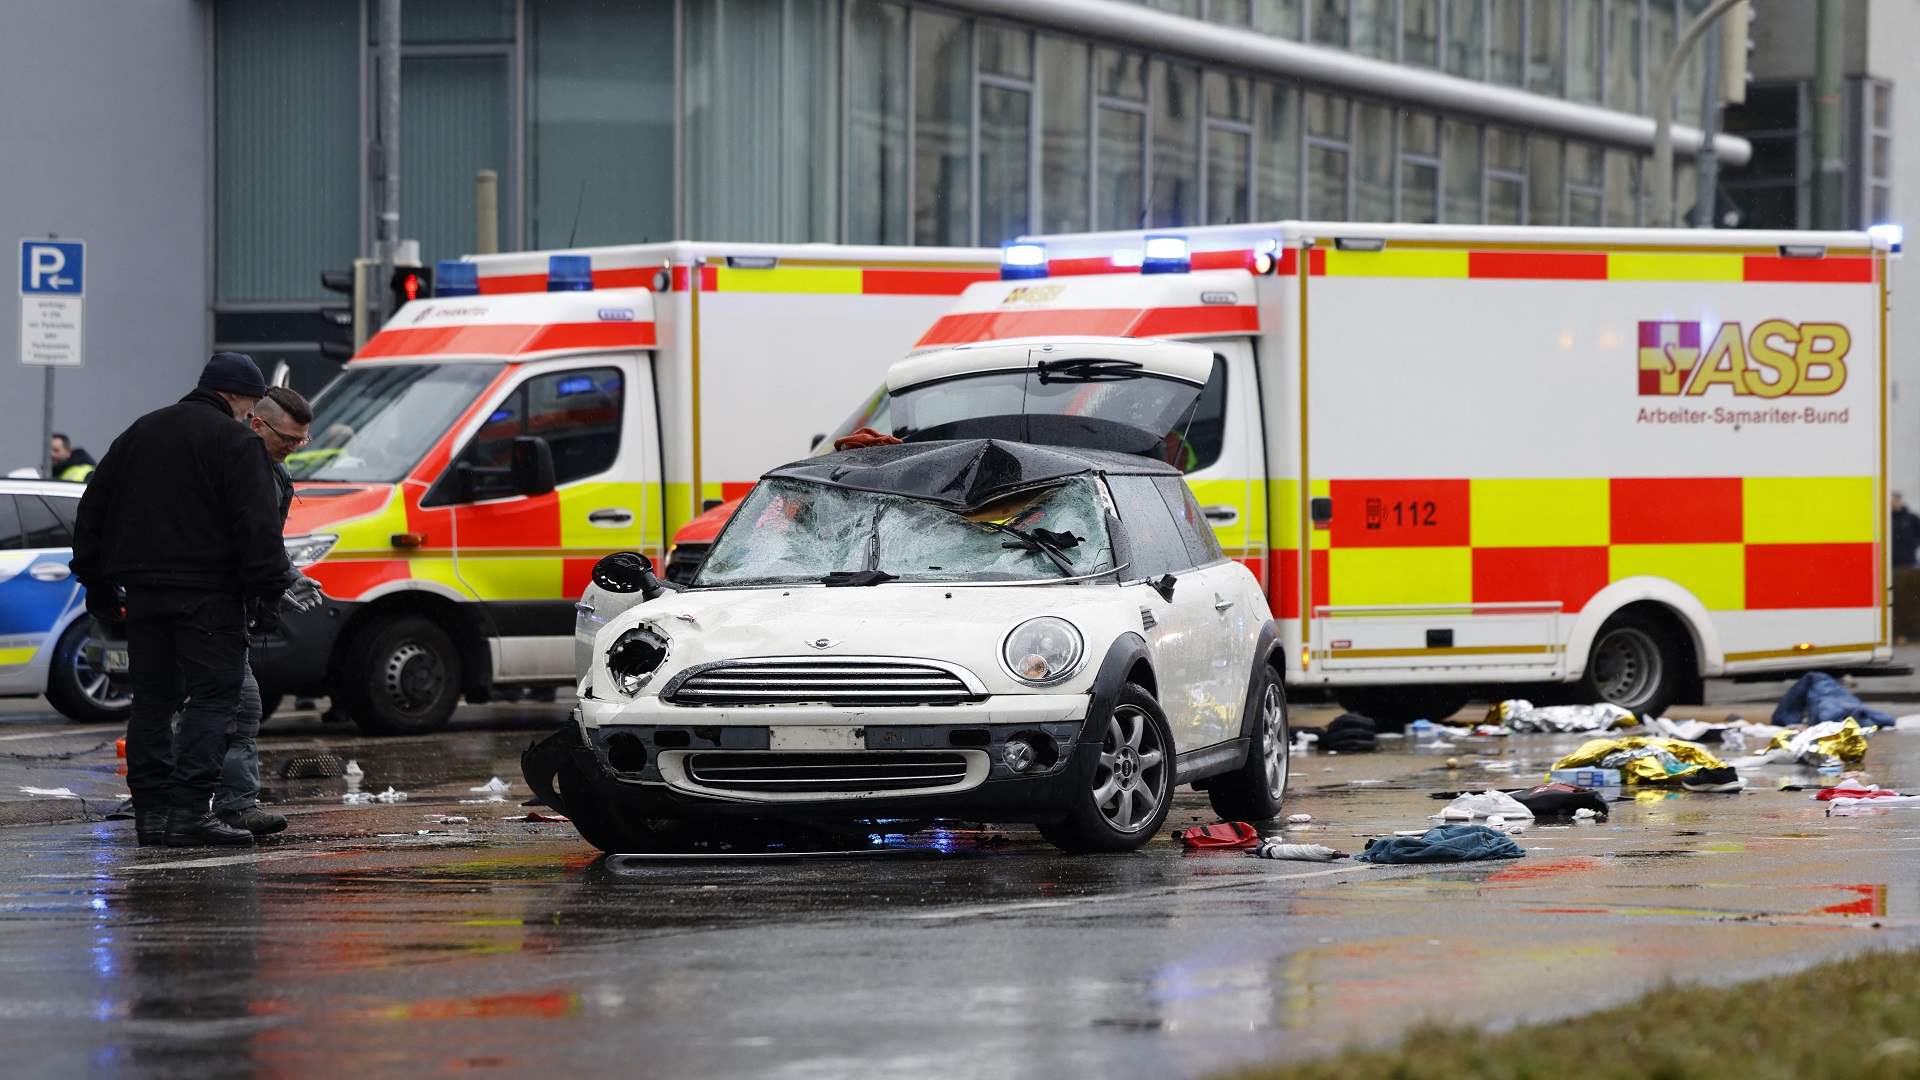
(1777, 359)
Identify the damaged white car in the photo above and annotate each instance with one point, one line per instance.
(954, 628)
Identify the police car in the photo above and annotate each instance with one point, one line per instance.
(45, 645)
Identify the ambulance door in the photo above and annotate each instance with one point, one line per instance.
(528, 555)
(1225, 455)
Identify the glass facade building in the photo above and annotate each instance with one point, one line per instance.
(889, 122)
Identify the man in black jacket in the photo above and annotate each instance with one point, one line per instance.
(182, 513)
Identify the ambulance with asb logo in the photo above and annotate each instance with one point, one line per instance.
(1460, 457)
(485, 448)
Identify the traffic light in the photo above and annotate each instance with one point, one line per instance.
(344, 326)
(409, 283)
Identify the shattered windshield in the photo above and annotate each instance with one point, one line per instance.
(373, 424)
(788, 532)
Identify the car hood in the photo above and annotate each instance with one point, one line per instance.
(958, 625)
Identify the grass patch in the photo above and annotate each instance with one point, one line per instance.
(1857, 1018)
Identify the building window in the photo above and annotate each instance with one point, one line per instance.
(1373, 163)
(942, 110)
(1625, 50)
(1545, 174)
(1419, 181)
(878, 116)
(286, 147)
(1327, 157)
(1374, 27)
(1328, 23)
(1623, 189)
(1546, 47)
(1506, 177)
(1507, 41)
(1004, 133)
(1420, 33)
(1120, 140)
(1236, 13)
(1229, 157)
(1279, 153)
(1586, 184)
(1586, 50)
(1461, 173)
(1876, 137)
(600, 123)
(1175, 131)
(1066, 145)
(1467, 38)
(1770, 192)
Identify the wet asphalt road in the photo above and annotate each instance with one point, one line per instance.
(383, 940)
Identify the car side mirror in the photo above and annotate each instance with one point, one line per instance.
(1164, 586)
(629, 572)
(814, 443)
(532, 465)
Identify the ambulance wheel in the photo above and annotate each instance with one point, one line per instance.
(1636, 663)
(403, 677)
(1392, 708)
(76, 688)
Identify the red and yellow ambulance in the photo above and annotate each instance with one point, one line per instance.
(1461, 456)
(488, 445)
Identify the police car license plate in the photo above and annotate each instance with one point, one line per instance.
(816, 738)
(115, 661)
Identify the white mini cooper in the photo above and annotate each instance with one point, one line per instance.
(945, 627)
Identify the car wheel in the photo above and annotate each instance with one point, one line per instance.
(1125, 787)
(1635, 663)
(1392, 708)
(402, 677)
(79, 690)
(1253, 791)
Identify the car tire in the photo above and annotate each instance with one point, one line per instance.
(604, 827)
(402, 677)
(1392, 708)
(1124, 783)
(75, 690)
(1636, 663)
(1254, 791)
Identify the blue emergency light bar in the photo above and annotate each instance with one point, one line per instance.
(1166, 255)
(569, 273)
(456, 277)
(1891, 233)
(1023, 262)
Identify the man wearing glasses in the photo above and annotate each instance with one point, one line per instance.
(281, 420)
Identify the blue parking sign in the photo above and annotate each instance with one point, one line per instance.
(53, 268)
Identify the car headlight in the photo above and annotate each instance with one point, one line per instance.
(1043, 650)
(635, 656)
(307, 550)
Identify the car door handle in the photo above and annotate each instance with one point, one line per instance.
(1221, 604)
(49, 571)
(611, 518)
(1221, 514)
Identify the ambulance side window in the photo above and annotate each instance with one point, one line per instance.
(1207, 432)
(579, 414)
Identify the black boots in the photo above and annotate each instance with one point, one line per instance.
(150, 827)
(197, 827)
(254, 819)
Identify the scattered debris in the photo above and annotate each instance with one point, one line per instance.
(1487, 804)
(535, 817)
(451, 819)
(1346, 733)
(1300, 819)
(1224, 834)
(1870, 791)
(1443, 844)
(1828, 745)
(312, 767)
(50, 792)
(1640, 760)
(390, 796)
(1300, 852)
(1521, 715)
(1819, 698)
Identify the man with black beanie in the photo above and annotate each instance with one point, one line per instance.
(183, 515)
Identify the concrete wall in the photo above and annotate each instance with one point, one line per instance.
(106, 137)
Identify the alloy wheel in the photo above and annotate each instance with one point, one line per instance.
(1273, 718)
(1130, 781)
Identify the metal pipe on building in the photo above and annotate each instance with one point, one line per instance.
(1829, 161)
(486, 212)
(1145, 28)
(389, 219)
(1661, 215)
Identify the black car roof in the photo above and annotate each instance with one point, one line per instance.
(961, 473)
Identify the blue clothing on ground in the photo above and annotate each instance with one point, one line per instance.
(1444, 844)
(1819, 698)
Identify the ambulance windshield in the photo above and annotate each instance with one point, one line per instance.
(373, 424)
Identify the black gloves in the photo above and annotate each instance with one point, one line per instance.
(263, 615)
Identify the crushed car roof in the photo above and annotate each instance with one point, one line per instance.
(961, 473)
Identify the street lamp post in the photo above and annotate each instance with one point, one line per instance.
(1668, 74)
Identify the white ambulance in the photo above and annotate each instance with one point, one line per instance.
(1466, 456)
(541, 410)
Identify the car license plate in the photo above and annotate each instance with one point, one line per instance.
(816, 738)
(116, 662)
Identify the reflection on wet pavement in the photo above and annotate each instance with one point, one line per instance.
(414, 945)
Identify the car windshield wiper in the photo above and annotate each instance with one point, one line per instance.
(1087, 369)
(1046, 542)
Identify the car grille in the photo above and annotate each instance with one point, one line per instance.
(758, 771)
(830, 681)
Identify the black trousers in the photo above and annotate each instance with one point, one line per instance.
(182, 647)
